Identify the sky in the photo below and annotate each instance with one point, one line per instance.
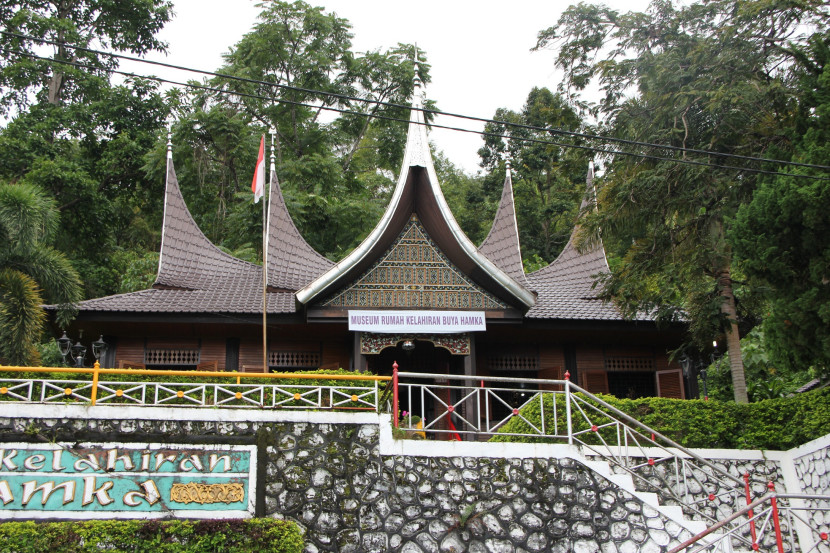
(479, 51)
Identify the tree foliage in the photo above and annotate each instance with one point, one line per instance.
(30, 270)
(336, 168)
(781, 235)
(128, 26)
(711, 76)
(77, 134)
(548, 180)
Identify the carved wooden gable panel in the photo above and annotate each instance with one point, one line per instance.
(413, 272)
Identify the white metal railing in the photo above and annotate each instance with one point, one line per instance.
(194, 394)
(567, 414)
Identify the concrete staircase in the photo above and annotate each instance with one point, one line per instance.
(672, 512)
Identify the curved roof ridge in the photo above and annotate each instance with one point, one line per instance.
(188, 259)
(502, 245)
(292, 262)
(566, 286)
(416, 154)
(569, 258)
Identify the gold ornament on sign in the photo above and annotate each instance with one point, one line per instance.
(207, 493)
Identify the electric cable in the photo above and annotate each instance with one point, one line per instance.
(594, 149)
(555, 131)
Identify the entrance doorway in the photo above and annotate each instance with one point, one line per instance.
(427, 359)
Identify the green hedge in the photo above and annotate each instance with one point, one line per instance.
(151, 536)
(777, 424)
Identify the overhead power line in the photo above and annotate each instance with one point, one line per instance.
(427, 111)
(551, 130)
(434, 125)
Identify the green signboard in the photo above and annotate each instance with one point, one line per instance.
(125, 480)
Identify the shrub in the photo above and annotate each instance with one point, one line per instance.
(777, 424)
(146, 536)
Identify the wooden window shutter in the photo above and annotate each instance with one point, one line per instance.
(670, 384)
(550, 373)
(595, 382)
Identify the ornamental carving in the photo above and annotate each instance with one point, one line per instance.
(207, 493)
(456, 344)
(413, 272)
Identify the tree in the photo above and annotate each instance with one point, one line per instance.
(472, 208)
(28, 220)
(548, 180)
(73, 132)
(781, 235)
(128, 26)
(335, 170)
(708, 76)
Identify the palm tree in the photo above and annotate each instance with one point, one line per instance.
(30, 271)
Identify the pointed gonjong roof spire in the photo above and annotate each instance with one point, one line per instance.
(188, 260)
(502, 245)
(194, 276)
(418, 191)
(566, 286)
(292, 263)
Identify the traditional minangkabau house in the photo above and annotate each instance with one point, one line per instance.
(416, 291)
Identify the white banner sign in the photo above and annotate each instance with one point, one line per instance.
(416, 322)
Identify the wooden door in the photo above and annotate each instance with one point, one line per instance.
(670, 384)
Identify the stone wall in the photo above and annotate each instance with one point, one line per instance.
(808, 471)
(352, 488)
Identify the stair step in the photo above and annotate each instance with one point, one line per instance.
(649, 498)
(600, 467)
(696, 526)
(622, 480)
(673, 511)
(724, 546)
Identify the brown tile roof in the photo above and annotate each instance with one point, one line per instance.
(502, 243)
(566, 286)
(221, 298)
(188, 259)
(292, 263)
(195, 276)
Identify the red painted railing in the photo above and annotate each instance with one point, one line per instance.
(766, 524)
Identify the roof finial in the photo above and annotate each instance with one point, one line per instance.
(170, 138)
(589, 181)
(272, 131)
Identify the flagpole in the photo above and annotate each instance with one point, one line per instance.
(265, 221)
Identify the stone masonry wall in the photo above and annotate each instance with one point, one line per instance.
(811, 468)
(333, 480)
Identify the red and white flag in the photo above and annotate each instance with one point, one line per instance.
(258, 184)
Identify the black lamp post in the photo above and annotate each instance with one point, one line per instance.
(64, 345)
(99, 347)
(714, 357)
(703, 374)
(77, 352)
(688, 364)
